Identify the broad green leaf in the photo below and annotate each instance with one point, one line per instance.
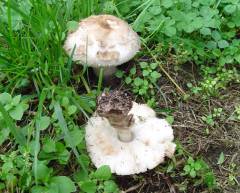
(205, 31)
(49, 145)
(119, 74)
(133, 71)
(4, 133)
(103, 173)
(145, 82)
(7, 166)
(143, 64)
(155, 10)
(138, 81)
(76, 137)
(142, 91)
(145, 73)
(231, 24)
(39, 189)
(170, 31)
(208, 12)
(71, 109)
(64, 184)
(197, 165)
(80, 176)
(128, 80)
(237, 58)
(110, 187)
(211, 45)
(195, 4)
(230, 9)
(43, 172)
(65, 101)
(223, 44)
(197, 22)
(17, 112)
(85, 159)
(216, 35)
(193, 173)
(88, 186)
(190, 160)
(207, 2)
(153, 66)
(167, 3)
(188, 28)
(63, 156)
(155, 75)
(187, 168)
(16, 100)
(5, 98)
(43, 122)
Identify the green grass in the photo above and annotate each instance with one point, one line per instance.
(37, 153)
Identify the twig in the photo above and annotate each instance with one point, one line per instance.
(164, 71)
(169, 183)
(133, 187)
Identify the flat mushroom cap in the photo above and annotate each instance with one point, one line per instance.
(152, 142)
(102, 40)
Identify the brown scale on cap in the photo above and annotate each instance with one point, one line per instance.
(115, 106)
(108, 56)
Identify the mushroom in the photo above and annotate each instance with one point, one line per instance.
(126, 136)
(102, 41)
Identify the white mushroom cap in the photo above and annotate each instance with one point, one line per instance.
(141, 112)
(152, 142)
(102, 40)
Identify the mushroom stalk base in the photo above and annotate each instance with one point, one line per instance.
(125, 135)
(107, 71)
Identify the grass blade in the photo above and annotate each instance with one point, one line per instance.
(100, 79)
(37, 135)
(64, 127)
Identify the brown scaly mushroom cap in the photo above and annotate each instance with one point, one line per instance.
(127, 136)
(102, 41)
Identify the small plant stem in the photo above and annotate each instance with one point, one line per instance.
(164, 71)
(85, 83)
(217, 4)
(100, 79)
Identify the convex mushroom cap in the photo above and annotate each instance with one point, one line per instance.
(102, 41)
(151, 141)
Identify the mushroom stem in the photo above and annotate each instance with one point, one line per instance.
(107, 71)
(122, 123)
(125, 135)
